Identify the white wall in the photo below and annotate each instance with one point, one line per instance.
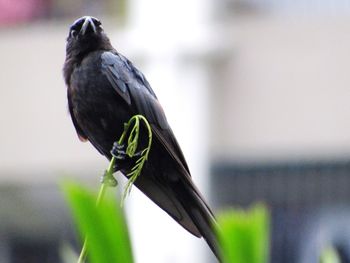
(285, 92)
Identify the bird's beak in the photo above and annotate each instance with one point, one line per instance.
(88, 22)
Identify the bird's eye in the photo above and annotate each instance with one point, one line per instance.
(98, 23)
(73, 33)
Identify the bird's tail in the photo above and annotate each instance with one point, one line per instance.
(202, 217)
(183, 202)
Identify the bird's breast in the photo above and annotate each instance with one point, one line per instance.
(98, 109)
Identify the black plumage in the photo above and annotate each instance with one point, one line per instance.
(104, 91)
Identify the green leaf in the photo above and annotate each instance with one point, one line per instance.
(132, 146)
(244, 235)
(103, 225)
(330, 255)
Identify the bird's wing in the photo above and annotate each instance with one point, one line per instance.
(82, 136)
(133, 87)
(179, 198)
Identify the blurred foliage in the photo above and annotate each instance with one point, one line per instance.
(103, 225)
(244, 235)
(330, 255)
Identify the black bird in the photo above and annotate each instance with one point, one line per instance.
(104, 91)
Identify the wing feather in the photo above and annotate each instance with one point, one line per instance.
(81, 135)
(133, 87)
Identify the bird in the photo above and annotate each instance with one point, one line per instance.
(104, 90)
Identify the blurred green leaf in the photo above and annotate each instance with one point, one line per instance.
(104, 226)
(330, 255)
(244, 235)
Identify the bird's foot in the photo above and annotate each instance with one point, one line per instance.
(119, 151)
(108, 178)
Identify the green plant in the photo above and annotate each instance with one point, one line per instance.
(81, 211)
(132, 147)
(244, 235)
(330, 255)
(103, 225)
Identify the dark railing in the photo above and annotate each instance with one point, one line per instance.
(300, 195)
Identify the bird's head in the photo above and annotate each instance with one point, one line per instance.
(86, 34)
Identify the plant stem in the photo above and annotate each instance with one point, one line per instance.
(83, 252)
(101, 194)
(132, 146)
(105, 184)
(109, 180)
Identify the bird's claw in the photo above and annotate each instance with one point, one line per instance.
(137, 154)
(119, 151)
(109, 179)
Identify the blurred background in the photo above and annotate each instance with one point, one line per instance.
(256, 92)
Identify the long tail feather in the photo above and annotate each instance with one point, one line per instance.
(201, 215)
